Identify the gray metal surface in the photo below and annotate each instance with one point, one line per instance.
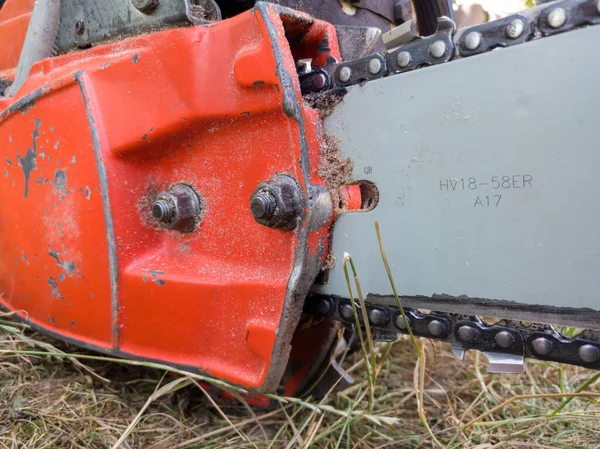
(438, 140)
(102, 20)
(38, 41)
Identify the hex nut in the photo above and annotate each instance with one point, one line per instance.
(178, 208)
(281, 202)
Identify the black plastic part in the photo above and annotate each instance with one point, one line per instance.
(426, 12)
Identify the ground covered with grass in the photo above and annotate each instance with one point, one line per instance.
(50, 400)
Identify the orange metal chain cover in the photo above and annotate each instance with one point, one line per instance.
(91, 139)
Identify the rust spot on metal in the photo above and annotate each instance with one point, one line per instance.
(74, 160)
(88, 193)
(135, 58)
(103, 66)
(8, 161)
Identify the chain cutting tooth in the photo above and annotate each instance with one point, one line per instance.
(505, 363)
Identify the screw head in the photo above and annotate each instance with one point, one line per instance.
(542, 346)
(163, 211)
(556, 18)
(472, 40)
(589, 353)
(146, 6)
(346, 312)
(263, 205)
(403, 59)
(374, 66)
(79, 27)
(319, 81)
(378, 317)
(344, 74)
(504, 339)
(400, 324)
(467, 333)
(437, 49)
(515, 29)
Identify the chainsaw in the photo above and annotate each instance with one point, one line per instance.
(189, 182)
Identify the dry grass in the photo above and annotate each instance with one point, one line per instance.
(50, 401)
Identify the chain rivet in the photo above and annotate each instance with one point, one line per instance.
(589, 353)
(437, 49)
(346, 312)
(436, 327)
(515, 29)
(374, 66)
(345, 74)
(542, 346)
(400, 324)
(467, 333)
(473, 40)
(403, 59)
(557, 18)
(378, 317)
(504, 339)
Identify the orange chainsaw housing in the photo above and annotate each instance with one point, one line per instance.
(90, 140)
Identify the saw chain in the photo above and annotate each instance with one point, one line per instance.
(407, 52)
(506, 343)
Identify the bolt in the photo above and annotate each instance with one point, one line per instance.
(345, 74)
(374, 66)
(467, 333)
(542, 346)
(79, 27)
(378, 317)
(146, 6)
(473, 40)
(403, 59)
(556, 18)
(437, 49)
(515, 29)
(400, 324)
(346, 312)
(263, 205)
(504, 339)
(436, 327)
(319, 81)
(278, 203)
(177, 208)
(589, 353)
(163, 211)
